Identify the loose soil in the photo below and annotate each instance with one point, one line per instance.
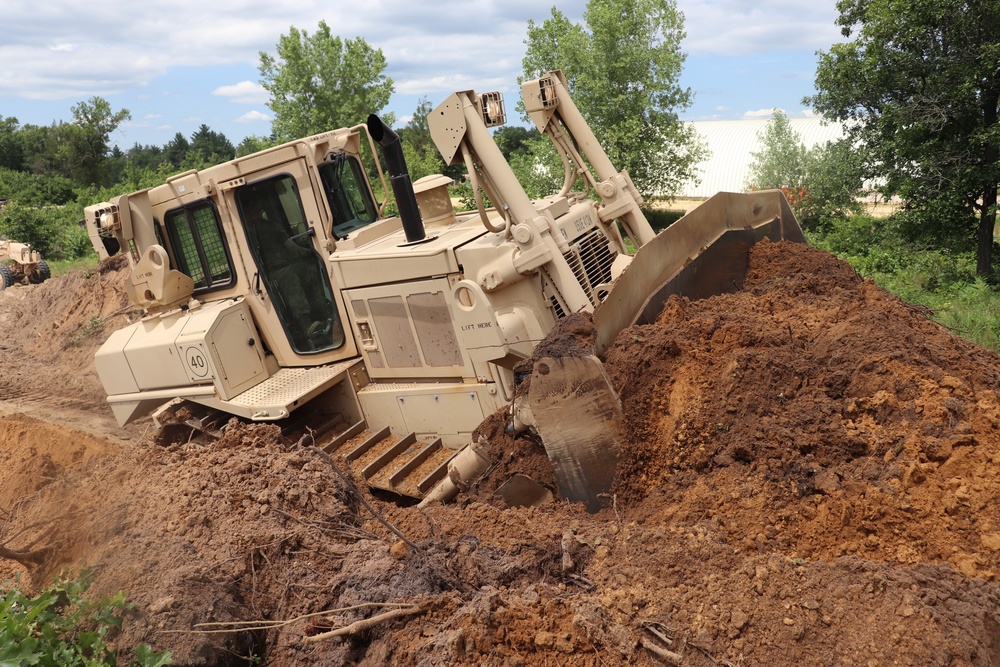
(809, 477)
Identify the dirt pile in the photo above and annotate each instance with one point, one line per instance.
(811, 478)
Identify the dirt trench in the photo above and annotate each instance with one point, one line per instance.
(810, 478)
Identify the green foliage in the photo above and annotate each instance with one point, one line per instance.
(833, 185)
(822, 184)
(92, 326)
(211, 147)
(74, 243)
(938, 222)
(51, 230)
(511, 139)
(782, 161)
(59, 628)
(661, 218)
(35, 189)
(943, 281)
(255, 144)
(538, 167)
(144, 157)
(89, 140)
(176, 150)
(320, 82)
(623, 66)
(35, 226)
(920, 82)
(133, 177)
(11, 148)
(422, 157)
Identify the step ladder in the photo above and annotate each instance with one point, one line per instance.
(403, 465)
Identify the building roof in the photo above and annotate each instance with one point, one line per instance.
(732, 144)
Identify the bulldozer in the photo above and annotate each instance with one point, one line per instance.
(21, 265)
(275, 288)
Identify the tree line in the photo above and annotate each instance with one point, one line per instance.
(916, 86)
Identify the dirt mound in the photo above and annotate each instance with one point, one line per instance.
(51, 331)
(842, 420)
(810, 478)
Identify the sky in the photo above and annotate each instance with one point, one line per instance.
(178, 64)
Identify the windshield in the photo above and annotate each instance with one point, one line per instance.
(348, 194)
(291, 270)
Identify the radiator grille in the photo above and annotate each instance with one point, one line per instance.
(591, 257)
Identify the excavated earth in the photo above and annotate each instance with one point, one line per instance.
(810, 475)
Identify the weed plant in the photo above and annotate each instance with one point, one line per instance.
(59, 628)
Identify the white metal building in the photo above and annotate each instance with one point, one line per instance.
(732, 144)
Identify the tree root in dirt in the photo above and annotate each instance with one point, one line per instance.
(366, 623)
(219, 627)
(26, 558)
(666, 655)
(309, 442)
(28, 555)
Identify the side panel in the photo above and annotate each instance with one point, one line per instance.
(449, 411)
(407, 331)
(222, 344)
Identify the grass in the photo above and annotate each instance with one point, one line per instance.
(941, 280)
(61, 267)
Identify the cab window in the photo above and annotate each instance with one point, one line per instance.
(347, 192)
(199, 245)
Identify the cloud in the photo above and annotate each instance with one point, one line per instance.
(62, 50)
(244, 92)
(761, 113)
(738, 27)
(254, 117)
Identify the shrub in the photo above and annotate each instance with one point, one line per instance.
(52, 230)
(59, 628)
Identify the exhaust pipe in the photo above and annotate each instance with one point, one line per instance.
(402, 188)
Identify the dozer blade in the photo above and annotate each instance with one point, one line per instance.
(579, 418)
(575, 409)
(701, 255)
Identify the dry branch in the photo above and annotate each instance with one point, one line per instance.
(329, 460)
(218, 627)
(667, 656)
(366, 623)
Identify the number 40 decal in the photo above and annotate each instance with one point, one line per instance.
(196, 361)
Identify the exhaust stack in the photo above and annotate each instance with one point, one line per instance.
(402, 188)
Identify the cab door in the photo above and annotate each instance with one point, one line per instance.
(291, 290)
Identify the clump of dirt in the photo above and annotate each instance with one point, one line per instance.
(809, 478)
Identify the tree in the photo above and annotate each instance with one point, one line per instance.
(781, 163)
(87, 140)
(622, 69)
(320, 82)
(40, 227)
(254, 144)
(921, 84)
(176, 150)
(38, 190)
(422, 156)
(11, 150)
(212, 147)
(512, 139)
(144, 156)
(822, 183)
